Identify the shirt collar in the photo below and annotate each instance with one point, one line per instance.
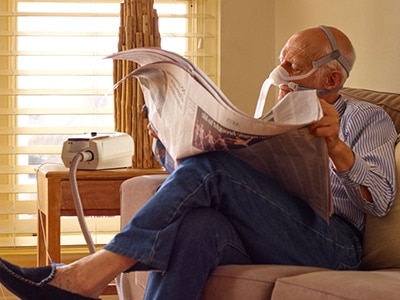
(340, 105)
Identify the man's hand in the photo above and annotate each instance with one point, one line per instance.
(340, 154)
(328, 127)
(151, 131)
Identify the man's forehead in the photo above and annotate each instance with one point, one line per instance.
(297, 52)
(301, 49)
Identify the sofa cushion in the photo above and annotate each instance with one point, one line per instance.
(390, 102)
(237, 282)
(233, 282)
(333, 285)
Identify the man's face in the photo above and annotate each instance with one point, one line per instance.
(297, 57)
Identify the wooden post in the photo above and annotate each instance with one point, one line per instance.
(138, 28)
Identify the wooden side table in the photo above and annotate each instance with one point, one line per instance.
(99, 192)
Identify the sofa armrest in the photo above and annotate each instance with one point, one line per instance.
(135, 192)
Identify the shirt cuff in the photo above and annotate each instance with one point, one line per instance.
(357, 174)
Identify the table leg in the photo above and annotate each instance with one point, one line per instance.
(49, 239)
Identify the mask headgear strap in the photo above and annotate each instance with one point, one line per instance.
(335, 54)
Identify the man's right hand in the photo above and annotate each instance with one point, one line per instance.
(151, 131)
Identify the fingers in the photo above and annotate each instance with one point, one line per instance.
(151, 131)
(328, 125)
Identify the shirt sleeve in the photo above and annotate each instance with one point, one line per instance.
(370, 133)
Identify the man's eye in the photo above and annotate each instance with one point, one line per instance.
(296, 70)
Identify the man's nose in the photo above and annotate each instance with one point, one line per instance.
(283, 91)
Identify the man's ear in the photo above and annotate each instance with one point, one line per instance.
(334, 80)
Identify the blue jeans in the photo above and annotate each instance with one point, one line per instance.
(272, 226)
(205, 240)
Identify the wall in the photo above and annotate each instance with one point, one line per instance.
(247, 51)
(372, 25)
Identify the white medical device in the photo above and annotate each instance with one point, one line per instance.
(105, 150)
(94, 151)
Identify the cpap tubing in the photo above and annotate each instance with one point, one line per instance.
(81, 156)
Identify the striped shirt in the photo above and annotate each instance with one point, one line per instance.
(370, 133)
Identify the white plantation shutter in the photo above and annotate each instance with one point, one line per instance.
(55, 83)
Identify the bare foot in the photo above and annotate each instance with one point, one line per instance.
(90, 275)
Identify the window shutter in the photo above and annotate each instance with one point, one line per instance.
(54, 83)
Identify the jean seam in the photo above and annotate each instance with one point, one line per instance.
(235, 246)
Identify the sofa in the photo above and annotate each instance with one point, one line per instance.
(379, 277)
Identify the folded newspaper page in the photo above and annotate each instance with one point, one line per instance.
(191, 115)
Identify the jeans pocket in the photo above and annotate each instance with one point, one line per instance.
(352, 260)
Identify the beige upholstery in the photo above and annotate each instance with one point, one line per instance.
(380, 278)
(329, 285)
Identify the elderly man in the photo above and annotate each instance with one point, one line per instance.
(215, 209)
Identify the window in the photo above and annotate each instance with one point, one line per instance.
(55, 83)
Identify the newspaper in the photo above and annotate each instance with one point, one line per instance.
(191, 115)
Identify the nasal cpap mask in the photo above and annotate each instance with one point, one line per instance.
(279, 76)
